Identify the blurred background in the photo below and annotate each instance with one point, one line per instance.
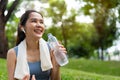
(89, 29)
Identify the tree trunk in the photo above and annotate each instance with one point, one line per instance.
(3, 44)
(3, 39)
(102, 56)
(64, 36)
(3, 20)
(100, 53)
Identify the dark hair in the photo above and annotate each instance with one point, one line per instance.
(20, 34)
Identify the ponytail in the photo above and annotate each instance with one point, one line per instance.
(20, 36)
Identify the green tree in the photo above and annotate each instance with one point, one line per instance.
(118, 11)
(11, 28)
(81, 39)
(56, 11)
(103, 14)
(5, 12)
(77, 38)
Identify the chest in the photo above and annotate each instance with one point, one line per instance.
(33, 55)
(35, 69)
(35, 65)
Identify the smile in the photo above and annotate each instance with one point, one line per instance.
(38, 31)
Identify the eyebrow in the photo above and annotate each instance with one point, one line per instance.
(36, 19)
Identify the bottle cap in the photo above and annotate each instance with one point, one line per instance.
(49, 34)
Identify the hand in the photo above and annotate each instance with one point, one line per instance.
(62, 49)
(27, 77)
(33, 77)
(55, 72)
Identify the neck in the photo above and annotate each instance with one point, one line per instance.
(32, 43)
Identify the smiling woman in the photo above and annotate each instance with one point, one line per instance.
(34, 19)
(31, 58)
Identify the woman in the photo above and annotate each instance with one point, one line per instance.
(30, 30)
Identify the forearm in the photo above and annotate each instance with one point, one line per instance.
(55, 73)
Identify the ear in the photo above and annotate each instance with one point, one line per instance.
(22, 28)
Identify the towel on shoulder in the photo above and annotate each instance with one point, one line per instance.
(22, 68)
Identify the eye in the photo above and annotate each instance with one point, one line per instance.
(33, 20)
(41, 22)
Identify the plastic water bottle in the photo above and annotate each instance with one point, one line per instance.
(60, 57)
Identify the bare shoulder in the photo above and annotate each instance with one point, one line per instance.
(11, 54)
(11, 63)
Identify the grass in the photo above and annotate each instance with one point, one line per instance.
(81, 69)
(95, 66)
(3, 69)
(71, 74)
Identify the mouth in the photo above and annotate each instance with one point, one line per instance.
(38, 31)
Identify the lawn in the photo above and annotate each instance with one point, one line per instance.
(3, 69)
(81, 69)
(95, 66)
(71, 74)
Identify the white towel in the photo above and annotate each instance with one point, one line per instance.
(22, 68)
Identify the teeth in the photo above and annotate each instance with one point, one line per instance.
(38, 31)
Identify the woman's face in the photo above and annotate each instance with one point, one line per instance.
(34, 26)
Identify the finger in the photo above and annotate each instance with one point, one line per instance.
(60, 45)
(63, 50)
(52, 55)
(33, 77)
(27, 77)
(51, 51)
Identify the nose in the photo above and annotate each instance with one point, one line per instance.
(38, 24)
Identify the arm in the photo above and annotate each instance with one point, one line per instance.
(55, 72)
(11, 63)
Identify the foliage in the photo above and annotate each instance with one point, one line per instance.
(104, 16)
(81, 36)
(118, 8)
(75, 36)
(11, 31)
(6, 10)
(56, 12)
(80, 39)
(11, 26)
(56, 31)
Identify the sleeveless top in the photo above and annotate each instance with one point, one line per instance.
(35, 69)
